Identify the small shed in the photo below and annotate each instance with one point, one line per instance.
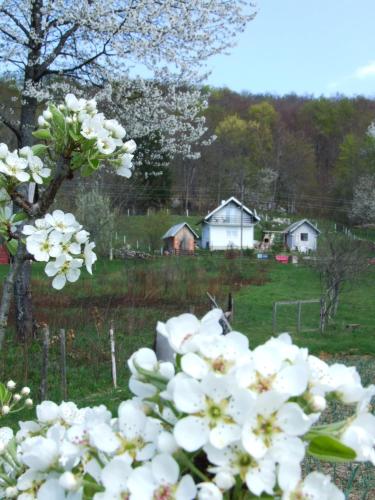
(180, 239)
(301, 236)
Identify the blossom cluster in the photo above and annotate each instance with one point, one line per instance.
(12, 401)
(22, 165)
(78, 120)
(59, 240)
(219, 421)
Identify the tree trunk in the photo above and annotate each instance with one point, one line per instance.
(22, 285)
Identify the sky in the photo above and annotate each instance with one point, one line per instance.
(307, 47)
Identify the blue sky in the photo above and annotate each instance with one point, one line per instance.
(319, 47)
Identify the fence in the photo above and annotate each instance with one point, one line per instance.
(298, 304)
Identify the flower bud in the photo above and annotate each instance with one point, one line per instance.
(224, 480)
(129, 146)
(318, 403)
(11, 385)
(41, 121)
(11, 492)
(61, 107)
(68, 481)
(29, 402)
(47, 114)
(17, 397)
(25, 391)
(5, 410)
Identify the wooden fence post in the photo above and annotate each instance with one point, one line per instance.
(299, 308)
(274, 315)
(64, 387)
(113, 353)
(44, 380)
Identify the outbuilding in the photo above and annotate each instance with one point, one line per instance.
(180, 239)
(230, 225)
(301, 236)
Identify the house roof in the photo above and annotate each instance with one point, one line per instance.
(238, 203)
(172, 231)
(299, 223)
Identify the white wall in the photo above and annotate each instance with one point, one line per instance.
(222, 237)
(294, 240)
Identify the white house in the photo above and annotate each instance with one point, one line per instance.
(302, 236)
(228, 225)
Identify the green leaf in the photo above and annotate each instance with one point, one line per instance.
(39, 150)
(4, 393)
(74, 136)
(42, 133)
(330, 449)
(90, 486)
(94, 163)
(12, 246)
(58, 119)
(86, 170)
(19, 216)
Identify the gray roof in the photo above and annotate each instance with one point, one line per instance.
(238, 203)
(176, 228)
(299, 223)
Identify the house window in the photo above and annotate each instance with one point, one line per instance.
(304, 236)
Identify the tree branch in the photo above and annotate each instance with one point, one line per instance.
(57, 50)
(12, 128)
(16, 22)
(22, 202)
(63, 172)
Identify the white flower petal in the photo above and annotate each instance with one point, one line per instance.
(191, 433)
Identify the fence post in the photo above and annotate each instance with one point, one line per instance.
(64, 388)
(113, 353)
(299, 308)
(322, 311)
(274, 314)
(44, 381)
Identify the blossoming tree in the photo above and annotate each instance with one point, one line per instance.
(76, 139)
(222, 422)
(53, 45)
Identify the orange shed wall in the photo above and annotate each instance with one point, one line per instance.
(184, 233)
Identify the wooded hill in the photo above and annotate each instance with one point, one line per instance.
(296, 153)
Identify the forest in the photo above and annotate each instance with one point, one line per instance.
(298, 154)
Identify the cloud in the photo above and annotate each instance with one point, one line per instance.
(365, 71)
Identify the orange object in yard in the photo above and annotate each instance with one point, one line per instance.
(4, 256)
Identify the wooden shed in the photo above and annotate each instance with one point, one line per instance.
(180, 239)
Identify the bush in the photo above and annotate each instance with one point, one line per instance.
(95, 213)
